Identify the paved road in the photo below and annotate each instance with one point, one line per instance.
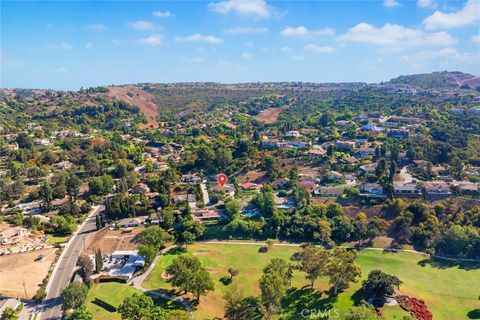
(63, 271)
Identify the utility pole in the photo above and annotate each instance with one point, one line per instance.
(25, 289)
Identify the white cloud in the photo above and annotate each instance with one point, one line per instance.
(426, 4)
(445, 53)
(247, 55)
(318, 49)
(163, 14)
(395, 37)
(468, 15)
(476, 38)
(297, 58)
(245, 30)
(61, 70)
(116, 41)
(141, 25)
(88, 45)
(391, 4)
(96, 27)
(286, 49)
(248, 44)
(302, 32)
(60, 46)
(258, 8)
(153, 39)
(200, 38)
(10, 63)
(197, 60)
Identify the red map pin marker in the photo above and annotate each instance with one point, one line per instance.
(222, 179)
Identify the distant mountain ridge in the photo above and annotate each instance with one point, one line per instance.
(440, 79)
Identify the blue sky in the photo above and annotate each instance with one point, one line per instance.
(69, 44)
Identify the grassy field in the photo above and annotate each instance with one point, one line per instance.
(449, 291)
(53, 239)
(114, 293)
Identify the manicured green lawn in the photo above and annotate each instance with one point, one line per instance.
(53, 239)
(113, 293)
(449, 291)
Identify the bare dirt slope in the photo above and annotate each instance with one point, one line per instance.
(19, 272)
(137, 96)
(270, 115)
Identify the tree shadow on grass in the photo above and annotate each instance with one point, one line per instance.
(176, 251)
(225, 280)
(445, 264)
(297, 300)
(474, 314)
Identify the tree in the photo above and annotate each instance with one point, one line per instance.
(233, 272)
(270, 165)
(86, 267)
(154, 236)
(340, 269)
(269, 243)
(73, 186)
(272, 289)
(282, 268)
(233, 209)
(80, 314)
(188, 238)
(362, 313)
(188, 274)
(149, 252)
(237, 306)
(98, 261)
(98, 223)
(381, 284)
(136, 307)
(201, 283)
(313, 262)
(74, 295)
(10, 314)
(46, 195)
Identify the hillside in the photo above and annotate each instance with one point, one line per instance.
(442, 79)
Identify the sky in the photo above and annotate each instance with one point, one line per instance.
(72, 44)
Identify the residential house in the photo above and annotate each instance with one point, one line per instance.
(251, 186)
(131, 222)
(13, 235)
(457, 111)
(439, 170)
(191, 179)
(372, 190)
(331, 192)
(407, 190)
(334, 176)
(293, 134)
(435, 190)
(141, 188)
(474, 111)
(467, 187)
(365, 152)
(345, 146)
(281, 183)
(399, 133)
(207, 215)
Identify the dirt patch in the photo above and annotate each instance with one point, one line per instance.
(270, 115)
(109, 241)
(212, 271)
(165, 275)
(17, 270)
(201, 252)
(140, 98)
